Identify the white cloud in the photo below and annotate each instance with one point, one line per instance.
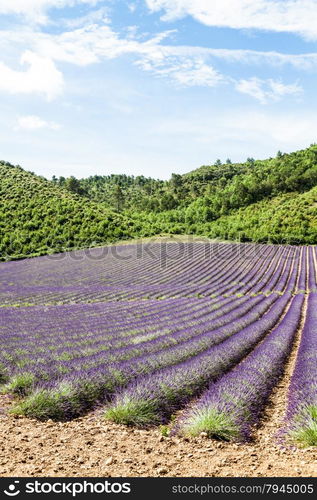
(93, 17)
(95, 42)
(267, 90)
(33, 122)
(87, 45)
(41, 77)
(132, 7)
(197, 73)
(183, 71)
(36, 9)
(294, 16)
(187, 67)
(279, 89)
(183, 65)
(307, 61)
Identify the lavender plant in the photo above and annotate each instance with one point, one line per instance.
(152, 399)
(230, 407)
(301, 416)
(78, 327)
(105, 378)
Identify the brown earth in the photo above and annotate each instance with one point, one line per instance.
(90, 446)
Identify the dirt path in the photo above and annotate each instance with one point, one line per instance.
(89, 446)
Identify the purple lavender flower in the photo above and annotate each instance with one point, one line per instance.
(230, 407)
(301, 416)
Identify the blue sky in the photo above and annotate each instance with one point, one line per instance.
(154, 86)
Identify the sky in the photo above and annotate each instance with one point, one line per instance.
(151, 87)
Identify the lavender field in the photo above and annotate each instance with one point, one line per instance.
(193, 333)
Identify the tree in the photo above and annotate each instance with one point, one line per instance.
(176, 181)
(118, 197)
(73, 185)
(168, 202)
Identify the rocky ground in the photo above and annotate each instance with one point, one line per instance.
(90, 446)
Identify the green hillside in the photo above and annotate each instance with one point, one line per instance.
(215, 190)
(37, 217)
(270, 200)
(260, 200)
(291, 218)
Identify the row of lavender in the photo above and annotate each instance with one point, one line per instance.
(86, 339)
(81, 331)
(90, 378)
(132, 272)
(202, 358)
(152, 399)
(231, 405)
(61, 348)
(301, 416)
(151, 357)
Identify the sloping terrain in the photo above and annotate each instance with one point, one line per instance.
(37, 217)
(290, 218)
(272, 200)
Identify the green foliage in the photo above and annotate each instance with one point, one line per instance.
(20, 384)
(264, 201)
(290, 218)
(130, 412)
(221, 187)
(44, 404)
(38, 217)
(165, 430)
(305, 433)
(259, 200)
(213, 423)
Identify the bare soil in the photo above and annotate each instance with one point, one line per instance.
(92, 447)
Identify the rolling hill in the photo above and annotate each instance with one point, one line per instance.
(290, 218)
(37, 217)
(273, 200)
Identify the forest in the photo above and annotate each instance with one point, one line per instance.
(272, 200)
